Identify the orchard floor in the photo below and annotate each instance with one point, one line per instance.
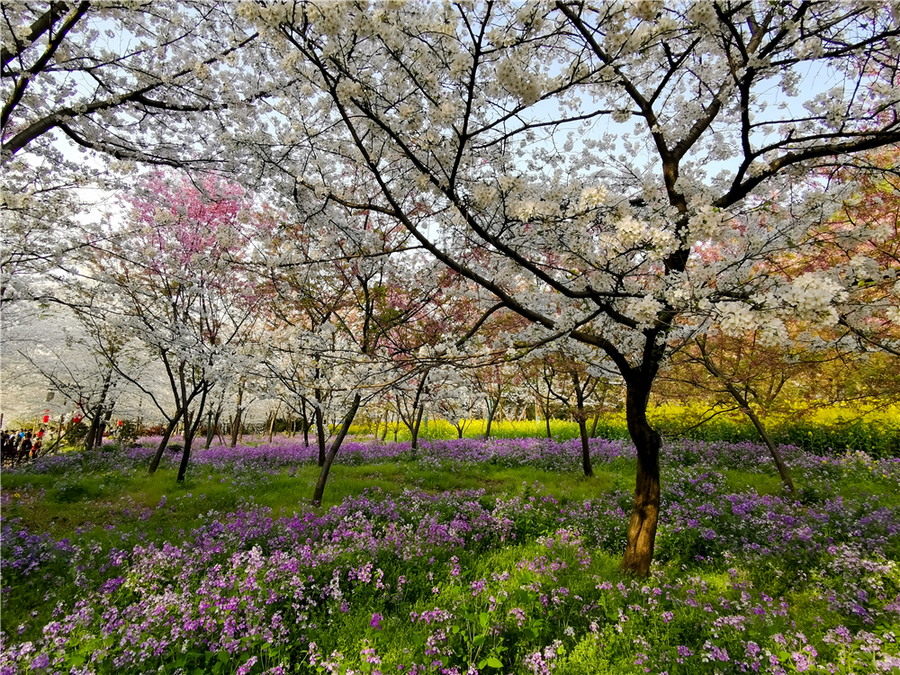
(466, 556)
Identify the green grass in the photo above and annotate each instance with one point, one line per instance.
(764, 484)
(103, 500)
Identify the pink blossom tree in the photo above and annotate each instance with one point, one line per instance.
(171, 278)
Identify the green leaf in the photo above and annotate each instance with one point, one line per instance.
(478, 641)
(484, 619)
(494, 662)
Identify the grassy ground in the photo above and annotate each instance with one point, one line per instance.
(48, 504)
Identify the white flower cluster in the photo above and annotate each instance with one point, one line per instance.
(484, 195)
(811, 296)
(518, 81)
(735, 318)
(163, 216)
(707, 223)
(646, 10)
(773, 333)
(201, 70)
(531, 14)
(632, 232)
(15, 201)
(738, 319)
(702, 13)
(445, 113)
(331, 19)
(461, 64)
(527, 209)
(591, 198)
(645, 310)
(349, 88)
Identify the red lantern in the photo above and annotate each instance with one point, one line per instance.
(46, 419)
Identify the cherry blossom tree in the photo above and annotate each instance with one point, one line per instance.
(169, 279)
(426, 316)
(337, 308)
(493, 381)
(331, 307)
(49, 351)
(89, 89)
(675, 124)
(123, 78)
(857, 248)
(457, 401)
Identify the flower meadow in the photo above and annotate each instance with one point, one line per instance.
(462, 557)
(870, 427)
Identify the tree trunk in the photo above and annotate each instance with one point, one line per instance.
(594, 427)
(582, 427)
(105, 423)
(91, 439)
(59, 433)
(491, 409)
(213, 425)
(154, 463)
(191, 427)
(185, 453)
(332, 452)
(92, 430)
(776, 455)
(188, 442)
(414, 429)
(272, 424)
(320, 434)
(645, 508)
(306, 424)
(585, 449)
(236, 423)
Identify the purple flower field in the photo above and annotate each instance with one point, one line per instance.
(212, 578)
